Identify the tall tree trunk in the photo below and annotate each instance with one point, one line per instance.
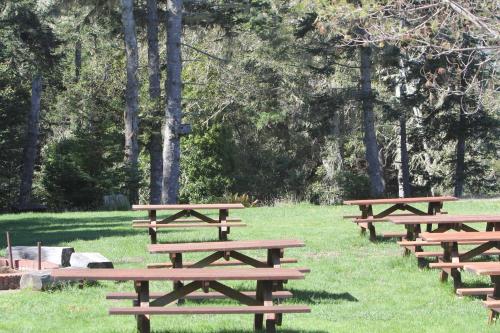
(30, 147)
(155, 141)
(460, 154)
(377, 184)
(430, 164)
(132, 100)
(78, 59)
(173, 112)
(404, 165)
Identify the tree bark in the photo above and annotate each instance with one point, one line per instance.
(132, 100)
(155, 141)
(31, 143)
(404, 165)
(173, 113)
(460, 154)
(78, 60)
(377, 184)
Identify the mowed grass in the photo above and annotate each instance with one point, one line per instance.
(354, 285)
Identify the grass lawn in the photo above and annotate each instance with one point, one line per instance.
(354, 286)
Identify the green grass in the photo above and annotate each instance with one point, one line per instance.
(354, 286)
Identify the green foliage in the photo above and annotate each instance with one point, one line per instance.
(207, 164)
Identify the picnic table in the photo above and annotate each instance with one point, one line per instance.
(444, 223)
(201, 279)
(194, 219)
(368, 217)
(451, 260)
(225, 250)
(491, 269)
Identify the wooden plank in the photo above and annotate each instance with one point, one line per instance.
(194, 295)
(190, 225)
(396, 234)
(485, 236)
(424, 254)
(445, 219)
(483, 268)
(224, 246)
(188, 220)
(427, 243)
(210, 310)
(193, 274)
(399, 200)
(188, 206)
(474, 291)
(222, 263)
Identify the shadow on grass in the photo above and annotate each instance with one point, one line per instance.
(52, 230)
(245, 331)
(313, 297)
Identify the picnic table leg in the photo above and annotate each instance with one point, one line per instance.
(152, 231)
(365, 210)
(258, 322)
(176, 259)
(455, 273)
(142, 289)
(495, 279)
(223, 231)
(446, 258)
(268, 301)
(274, 261)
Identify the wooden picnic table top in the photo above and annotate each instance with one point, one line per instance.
(366, 202)
(192, 274)
(461, 236)
(224, 246)
(483, 268)
(188, 206)
(444, 219)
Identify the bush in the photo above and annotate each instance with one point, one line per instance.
(206, 164)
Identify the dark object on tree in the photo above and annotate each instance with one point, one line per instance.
(173, 113)
(132, 100)
(30, 148)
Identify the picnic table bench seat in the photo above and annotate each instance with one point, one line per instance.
(188, 216)
(367, 218)
(189, 225)
(440, 254)
(474, 291)
(261, 305)
(491, 269)
(219, 263)
(280, 294)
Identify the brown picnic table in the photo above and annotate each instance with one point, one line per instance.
(368, 217)
(444, 223)
(491, 269)
(451, 260)
(188, 216)
(261, 304)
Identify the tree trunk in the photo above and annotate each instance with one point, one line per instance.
(460, 154)
(78, 60)
(377, 184)
(404, 165)
(30, 147)
(132, 101)
(173, 112)
(155, 141)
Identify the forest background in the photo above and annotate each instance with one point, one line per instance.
(264, 100)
